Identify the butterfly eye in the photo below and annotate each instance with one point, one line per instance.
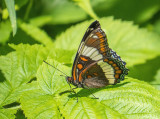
(69, 79)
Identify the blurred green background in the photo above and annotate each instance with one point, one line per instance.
(55, 16)
(35, 30)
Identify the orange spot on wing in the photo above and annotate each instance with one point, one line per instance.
(110, 62)
(117, 68)
(95, 74)
(114, 65)
(106, 60)
(84, 59)
(100, 35)
(79, 66)
(74, 73)
(104, 53)
(116, 76)
(119, 71)
(80, 75)
(102, 49)
(88, 76)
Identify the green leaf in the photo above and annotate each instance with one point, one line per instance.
(40, 21)
(156, 26)
(12, 14)
(130, 10)
(5, 30)
(129, 99)
(32, 30)
(21, 3)
(156, 82)
(147, 71)
(62, 12)
(86, 6)
(30, 57)
(7, 113)
(133, 44)
(37, 105)
(49, 78)
(84, 108)
(87, 108)
(20, 115)
(63, 56)
(70, 39)
(19, 67)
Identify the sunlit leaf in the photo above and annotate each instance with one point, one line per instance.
(35, 32)
(49, 78)
(40, 21)
(133, 44)
(19, 68)
(85, 5)
(5, 31)
(63, 12)
(129, 99)
(7, 113)
(12, 14)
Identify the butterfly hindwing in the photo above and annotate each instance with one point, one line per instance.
(95, 64)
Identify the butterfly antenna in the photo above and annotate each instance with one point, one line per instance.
(55, 68)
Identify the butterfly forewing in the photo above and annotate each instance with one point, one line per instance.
(96, 65)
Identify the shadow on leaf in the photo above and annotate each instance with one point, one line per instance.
(86, 92)
(147, 71)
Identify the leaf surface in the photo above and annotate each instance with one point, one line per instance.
(18, 68)
(129, 99)
(36, 33)
(133, 44)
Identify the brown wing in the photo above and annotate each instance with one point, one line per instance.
(95, 57)
(101, 73)
(93, 47)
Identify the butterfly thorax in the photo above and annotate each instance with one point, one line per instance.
(74, 82)
(71, 81)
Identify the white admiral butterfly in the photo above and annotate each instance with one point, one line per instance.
(95, 64)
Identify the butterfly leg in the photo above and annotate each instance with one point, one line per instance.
(75, 92)
(72, 90)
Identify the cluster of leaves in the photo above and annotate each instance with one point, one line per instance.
(32, 89)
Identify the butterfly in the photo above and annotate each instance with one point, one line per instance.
(96, 65)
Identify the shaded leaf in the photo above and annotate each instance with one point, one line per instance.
(133, 10)
(21, 3)
(20, 115)
(147, 71)
(156, 27)
(156, 82)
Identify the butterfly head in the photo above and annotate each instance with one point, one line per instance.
(69, 79)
